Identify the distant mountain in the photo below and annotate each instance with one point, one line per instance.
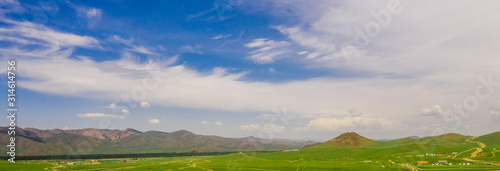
(104, 134)
(349, 139)
(32, 141)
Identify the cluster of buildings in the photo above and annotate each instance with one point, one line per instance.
(441, 162)
(427, 162)
(437, 154)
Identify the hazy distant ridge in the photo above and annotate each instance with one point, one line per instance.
(32, 141)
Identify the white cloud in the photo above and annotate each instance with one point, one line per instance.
(133, 47)
(118, 39)
(43, 42)
(99, 115)
(328, 31)
(112, 106)
(257, 127)
(142, 49)
(221, 36)
(65, 128)
(94, 13)
(145, 105)
(193, 89)
(125, 111)
(302, 53)
(154, 121)
(92, 16)
(350, 124)
(218, 123)
(431, 111)
(268, 50)
(191, 49)
(34, 34)
(218, 6)
(251, 127)
(15, 2)
(204, 122)
(11, 6)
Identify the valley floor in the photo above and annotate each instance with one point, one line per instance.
(241, 161)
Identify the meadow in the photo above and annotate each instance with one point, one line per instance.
(304, 159)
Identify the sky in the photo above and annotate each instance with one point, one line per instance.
(294, 69)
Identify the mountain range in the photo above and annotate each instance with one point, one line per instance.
(32, 141)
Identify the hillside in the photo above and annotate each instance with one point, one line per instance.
(493, 138)
(348, 139)
(31, 141)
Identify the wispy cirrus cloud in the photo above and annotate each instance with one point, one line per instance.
(142, 49)
(220, 10)
(44, 42)
(37, 34)
(92, 16)
(11, 6)
(268, 50)
(100, 115)
(191, 49)
(134, 47)
(201, 14)
(221, 36)
(367, 38)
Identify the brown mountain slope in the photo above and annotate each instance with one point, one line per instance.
(31, 141)
(104, 134)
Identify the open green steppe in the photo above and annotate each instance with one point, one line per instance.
(348, 151)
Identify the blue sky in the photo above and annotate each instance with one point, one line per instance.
(235, 68)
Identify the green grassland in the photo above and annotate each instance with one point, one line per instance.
(307, 159)
(237, 161)
(346, 152)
